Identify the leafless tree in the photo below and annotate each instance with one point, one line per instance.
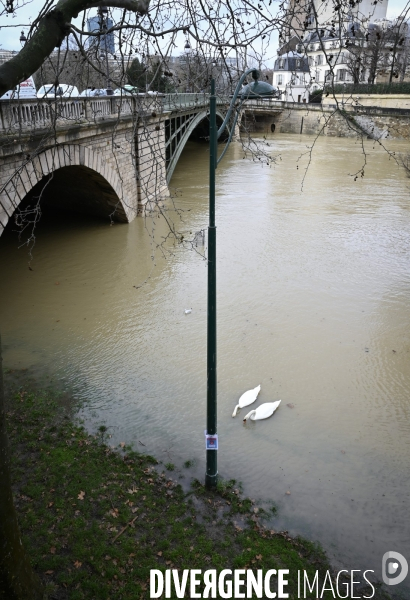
(396, 47)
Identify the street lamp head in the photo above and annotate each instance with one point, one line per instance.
(23, 38)
(258, 89)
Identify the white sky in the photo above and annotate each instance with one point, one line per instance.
(10, 27)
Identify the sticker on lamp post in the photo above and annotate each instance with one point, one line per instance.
(211, 441)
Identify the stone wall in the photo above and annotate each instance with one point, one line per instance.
(151, 163)
(380, 100)
(97, 167)
(318, 120)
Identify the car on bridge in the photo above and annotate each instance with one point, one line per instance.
(49, 90)
(26, 89)
(126, 90)
(92, 92)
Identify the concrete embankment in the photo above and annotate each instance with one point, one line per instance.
(337, 120)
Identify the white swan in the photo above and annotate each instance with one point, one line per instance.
(247, 398)
(263, 411)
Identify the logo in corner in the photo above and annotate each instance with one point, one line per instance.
(394, 568)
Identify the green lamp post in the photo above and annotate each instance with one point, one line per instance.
(256, 89)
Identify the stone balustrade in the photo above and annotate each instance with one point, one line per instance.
(35, 113)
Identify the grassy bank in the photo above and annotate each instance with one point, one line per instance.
(95, 520)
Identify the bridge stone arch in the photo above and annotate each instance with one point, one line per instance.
(177, 136)
(72, 164)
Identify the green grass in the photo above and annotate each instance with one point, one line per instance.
(95, 520)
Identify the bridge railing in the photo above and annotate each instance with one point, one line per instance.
(38, 113)
(172, 102)
(34, 113)
(258, 103)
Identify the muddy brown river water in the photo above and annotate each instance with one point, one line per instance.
(313, 304)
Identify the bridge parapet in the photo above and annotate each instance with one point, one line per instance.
(263, 104)
(35, 113)
(32, 113)
(177, 102)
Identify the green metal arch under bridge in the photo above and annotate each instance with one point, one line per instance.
(186, 114)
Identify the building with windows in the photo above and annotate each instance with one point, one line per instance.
(104, 42)
(374, 52)
(291, 75)
(347, 43)
(325, 13)
(304, 16)
(327, 57)
(6, 55)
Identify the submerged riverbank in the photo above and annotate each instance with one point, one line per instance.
(96, 519)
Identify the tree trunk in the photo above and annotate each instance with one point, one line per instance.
(393, 64)
(49, 34)
(17, 578)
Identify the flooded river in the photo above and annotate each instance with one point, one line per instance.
(313, 304)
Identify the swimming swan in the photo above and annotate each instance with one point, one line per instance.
(247, 398)
(263, 411)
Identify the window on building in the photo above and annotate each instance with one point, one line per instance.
(342, 75)
(319, 59)
(328, 75)
(298, 61)
(281, 63)
(279, 79)
(317, 78)
(311, 61)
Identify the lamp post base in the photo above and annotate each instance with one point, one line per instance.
(211, 481)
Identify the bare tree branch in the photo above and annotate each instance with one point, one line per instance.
(50, 32)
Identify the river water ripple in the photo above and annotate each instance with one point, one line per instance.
(313, 304)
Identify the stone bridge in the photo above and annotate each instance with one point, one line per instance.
(110, 156)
